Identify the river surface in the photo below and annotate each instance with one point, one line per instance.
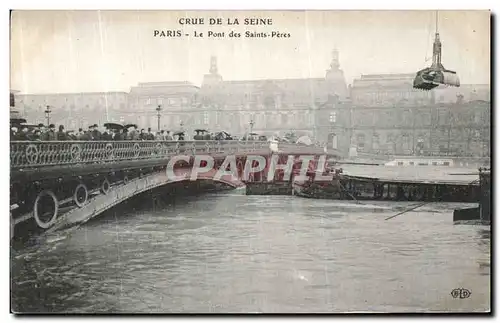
(228, 253)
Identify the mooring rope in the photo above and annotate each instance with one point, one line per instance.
(422, 204)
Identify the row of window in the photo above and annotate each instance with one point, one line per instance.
(168, 101)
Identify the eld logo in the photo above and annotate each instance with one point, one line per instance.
(460, 293)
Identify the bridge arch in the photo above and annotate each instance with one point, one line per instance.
(120, 193)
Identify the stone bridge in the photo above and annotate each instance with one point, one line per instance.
(55, 184)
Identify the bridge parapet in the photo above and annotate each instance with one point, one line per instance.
(51, 153)
(46, 175)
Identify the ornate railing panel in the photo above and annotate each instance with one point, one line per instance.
(30, 154)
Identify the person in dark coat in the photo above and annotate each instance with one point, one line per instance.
(13, 133)
(96, 134)
(87, 136)
(150, 135)
(143, 135)
(37, 134)
(79, 134)
(119, 135)
(42, 128)
(50, 135)
(24, 134)
(61, 135)
(106, 135)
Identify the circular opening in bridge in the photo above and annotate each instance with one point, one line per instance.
(45, 209)
(81, 195)
(125, 179)
(105, 186)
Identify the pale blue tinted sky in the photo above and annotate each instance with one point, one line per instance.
(76, 51)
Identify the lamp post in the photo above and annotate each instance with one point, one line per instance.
(47, 115)
(158, 110)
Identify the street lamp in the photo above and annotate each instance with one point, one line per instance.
(47, 115)
(251, 125)
(158, 110)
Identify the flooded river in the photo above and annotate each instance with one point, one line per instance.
(235, 253)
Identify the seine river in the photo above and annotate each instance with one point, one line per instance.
(229, 253)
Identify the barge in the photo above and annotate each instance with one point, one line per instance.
(393, 183)
(482, 213)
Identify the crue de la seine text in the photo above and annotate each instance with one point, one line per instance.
(233, 33)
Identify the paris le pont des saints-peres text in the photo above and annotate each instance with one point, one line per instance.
(173, 33)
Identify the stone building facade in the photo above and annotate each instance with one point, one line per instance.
(378, 114)
(268, 106)
(271, 106)
(387, 116)
(73, 110)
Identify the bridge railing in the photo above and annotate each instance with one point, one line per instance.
(29, 154)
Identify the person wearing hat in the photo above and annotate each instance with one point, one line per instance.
(50, 135)
(168, 137)
(41, 127)
(61, 134)
(106, 135)
(120, 134)
(150, 135)
(143, 135)
(96, 134)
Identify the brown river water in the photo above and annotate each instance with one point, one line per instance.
(230, 253)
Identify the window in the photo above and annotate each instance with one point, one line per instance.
(160, 101)
(412, 163)
(205, 118)
(400, 163)
(333, 117)
(361, 141)
(147, 101)
(446, 163)
(376, 141)
(406, 142)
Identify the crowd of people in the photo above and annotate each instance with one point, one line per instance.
(115, 132)
(44, 133)
(109, 132)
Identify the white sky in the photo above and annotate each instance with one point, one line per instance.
(80, 51)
